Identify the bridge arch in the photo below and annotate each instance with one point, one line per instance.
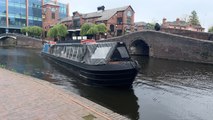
(139, 47)
(6, 36)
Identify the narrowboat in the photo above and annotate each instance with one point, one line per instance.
(96, 63)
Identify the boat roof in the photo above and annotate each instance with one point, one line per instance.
(97, 43)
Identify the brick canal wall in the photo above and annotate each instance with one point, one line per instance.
(170, 46)
(29, 42)
(20, 41)
(193, 34)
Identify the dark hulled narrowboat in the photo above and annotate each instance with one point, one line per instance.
(101, 63)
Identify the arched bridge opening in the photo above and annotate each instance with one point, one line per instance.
(8, 40)
(139, 47)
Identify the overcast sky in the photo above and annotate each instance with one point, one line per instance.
(152, 10)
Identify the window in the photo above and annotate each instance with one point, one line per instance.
(101, 53)
(119, 21)
(112, 28)
(76, 23)
(53, 15)
(128, 21)
(120, 54)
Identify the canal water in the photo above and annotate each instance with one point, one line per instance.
(163, 90)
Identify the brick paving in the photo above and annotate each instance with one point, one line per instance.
(26, 98)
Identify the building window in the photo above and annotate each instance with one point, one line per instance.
(112, 28)
(76, 23)
(53, 15)
(128, 21)
(119, 21)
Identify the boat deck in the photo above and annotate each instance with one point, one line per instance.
(26, 98)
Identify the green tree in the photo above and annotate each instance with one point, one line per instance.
(57, 32)
(93, 31)
(193, 18)
(33, 31)
(52, 32)
(101, 28)
(62, 30)
(210, 29)
(150, 26)
(85, 28)
(24, 30)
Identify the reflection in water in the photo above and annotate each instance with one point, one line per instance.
(163, 90)
(119, 100)
(174, 90)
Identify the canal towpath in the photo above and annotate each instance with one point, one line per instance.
(26, 98)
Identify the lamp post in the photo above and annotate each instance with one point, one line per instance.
(105, 34)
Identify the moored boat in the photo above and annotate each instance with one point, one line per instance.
(101, 63)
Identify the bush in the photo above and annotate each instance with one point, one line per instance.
(210, 29)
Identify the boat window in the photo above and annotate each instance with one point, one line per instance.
(100, 53)
(123, 52)
(120, 53)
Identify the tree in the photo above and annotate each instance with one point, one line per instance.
(90, 29)
(101, 28)
(57, 32)
(85, 28)
(33, 31)
(62, 30)
(193, 18)
(24, 30)
(150, 26)
(93, 31)
(210, 29)
(157, 26)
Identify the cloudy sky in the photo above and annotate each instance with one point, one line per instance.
(152, 10)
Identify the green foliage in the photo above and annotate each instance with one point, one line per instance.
(85, 28)
(210, 29)
(150, 26)
(24, 30)
(33, 31)
(58, 30)
(62, 30)
(101, 28)
(52, 32)
(193, 18)
(93, 30)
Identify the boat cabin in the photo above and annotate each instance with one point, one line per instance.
(89, 53)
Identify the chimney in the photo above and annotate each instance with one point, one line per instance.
(164, 20)
(177, 20)
(101, 8)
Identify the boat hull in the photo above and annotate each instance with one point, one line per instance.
(119, 74)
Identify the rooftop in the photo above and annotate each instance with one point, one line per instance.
(104, 14)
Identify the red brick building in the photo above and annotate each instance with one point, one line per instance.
(119, 21)
(182, 25)
(52, 12)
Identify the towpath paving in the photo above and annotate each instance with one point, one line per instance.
(27, 98)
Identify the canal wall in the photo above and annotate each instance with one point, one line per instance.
(29, 42)
(168, 46)
(19, 40)
(188, 33)
(26, 98)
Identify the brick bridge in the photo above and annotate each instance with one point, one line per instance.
(11, 39)
(168, 46)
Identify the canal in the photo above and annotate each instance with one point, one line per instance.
(163, 90)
